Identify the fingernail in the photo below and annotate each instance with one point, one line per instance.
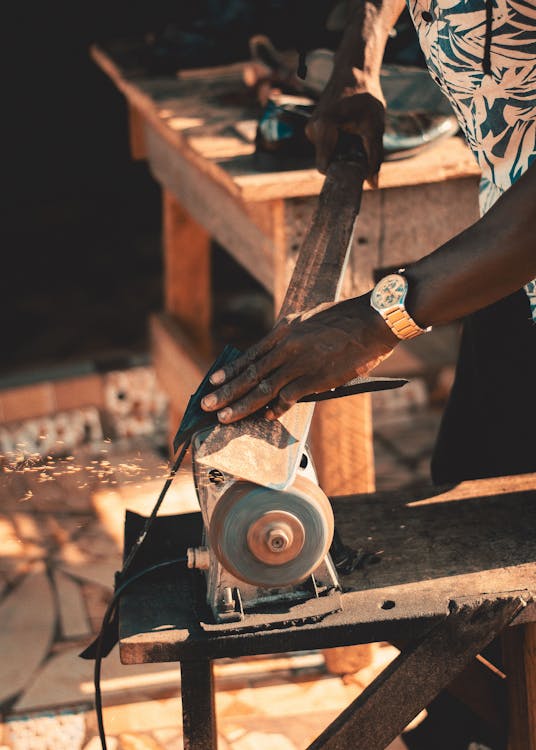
(225, 414)
(217, 377)
(209, 401)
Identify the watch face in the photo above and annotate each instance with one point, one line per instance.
(389, 291)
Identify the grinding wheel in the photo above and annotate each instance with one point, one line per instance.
(272, 538)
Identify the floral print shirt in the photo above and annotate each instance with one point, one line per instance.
(496, 112)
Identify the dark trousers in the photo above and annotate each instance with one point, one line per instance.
(489, 424)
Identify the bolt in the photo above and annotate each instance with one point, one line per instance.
(278, 540)
(227, 600)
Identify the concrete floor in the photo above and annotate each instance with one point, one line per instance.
(60, 543)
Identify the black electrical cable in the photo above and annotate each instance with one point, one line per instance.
(121, 586)
(148, 523)
(108, 615)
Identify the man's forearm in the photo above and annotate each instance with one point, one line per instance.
(489, 260)
(361, 50)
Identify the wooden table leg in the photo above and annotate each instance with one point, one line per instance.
(417, 675)
(198, 706)
(519, 655)
(136, 134)
(341, 441)
(187, 273)
(341, 438)
(187, 282)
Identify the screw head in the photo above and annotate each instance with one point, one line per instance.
(216, 476)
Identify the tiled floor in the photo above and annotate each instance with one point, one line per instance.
(60, 539)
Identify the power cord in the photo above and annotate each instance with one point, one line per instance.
(108, 616)
(121, 585)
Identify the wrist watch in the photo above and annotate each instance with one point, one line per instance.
(388, 298)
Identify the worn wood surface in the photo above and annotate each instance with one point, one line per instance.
(444, 543)
(269, 453)
(198, 109)
(519, 655)
(418, 674)
(225, 216)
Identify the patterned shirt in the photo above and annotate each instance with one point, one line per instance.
(496, 112)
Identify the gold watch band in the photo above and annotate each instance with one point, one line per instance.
(402, 324)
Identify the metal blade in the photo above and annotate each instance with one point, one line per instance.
(265, 452)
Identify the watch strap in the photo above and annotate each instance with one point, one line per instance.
(401, 323)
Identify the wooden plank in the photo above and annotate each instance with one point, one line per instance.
(432, 214)
(224, 215)
(434, 535)
(440, 544)
(448, 160)
(269, 453)
(341, 432)
(187, 273)
(519, 654)
(417, 675)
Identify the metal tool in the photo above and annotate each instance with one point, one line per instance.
(264, 547)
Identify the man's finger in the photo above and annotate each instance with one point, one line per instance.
(248, 379)
(290, 395)
(233, 369)
(262, 395)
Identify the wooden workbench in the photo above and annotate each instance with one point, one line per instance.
(213, 189)
(471, 546)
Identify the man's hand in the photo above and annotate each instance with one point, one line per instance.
(306, 353)
(359, 110)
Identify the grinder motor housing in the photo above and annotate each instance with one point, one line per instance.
(263, 549)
